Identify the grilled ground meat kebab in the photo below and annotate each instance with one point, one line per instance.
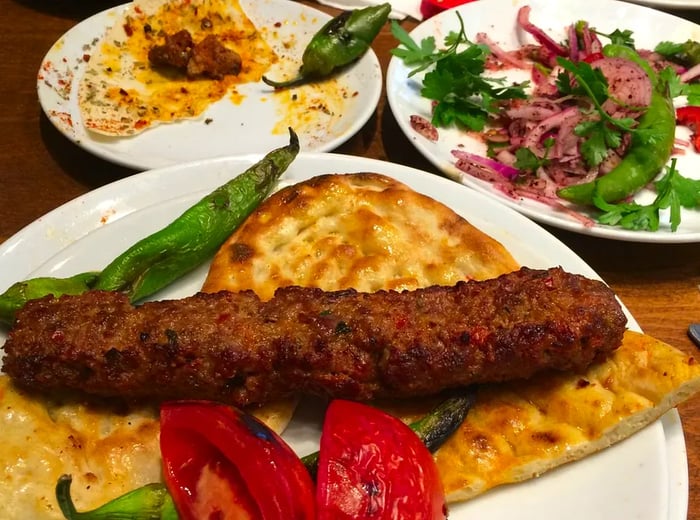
(232, 347)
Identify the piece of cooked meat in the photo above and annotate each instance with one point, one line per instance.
(175, 52)
(208, 58)
(232, 347)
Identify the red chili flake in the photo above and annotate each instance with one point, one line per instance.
(141, 123)
(183, 90)
(278, 24)
(128, 30)
(401, 322)
(123, 92)
(582, 383)
(57, 336)
(86, 58)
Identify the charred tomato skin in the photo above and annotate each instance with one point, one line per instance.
(372, 466)
(220, 462)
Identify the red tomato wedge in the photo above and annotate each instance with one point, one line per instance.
(373, 466)
(221, 463)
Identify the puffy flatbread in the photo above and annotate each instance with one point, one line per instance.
(363, 230)
(121, 94)
(517, 431)
(107, 453)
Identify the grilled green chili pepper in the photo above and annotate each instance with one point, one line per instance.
(20, 293)
(433, 429)
(157, 260)
(338, 43)
(150, 502)
(645, 157)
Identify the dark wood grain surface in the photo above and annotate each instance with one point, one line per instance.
(40, 169)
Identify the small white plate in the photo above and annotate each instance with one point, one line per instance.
(253, 126)
(498, 19)
(644, 477)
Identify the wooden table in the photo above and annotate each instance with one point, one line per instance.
(40, 169)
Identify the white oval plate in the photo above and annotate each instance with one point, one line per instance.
(253, 126)
(498, 19)
(644, 477)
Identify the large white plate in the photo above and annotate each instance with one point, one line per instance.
(324, 116)
(498, 19)
(644, 477)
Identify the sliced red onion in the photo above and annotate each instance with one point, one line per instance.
(534, 137)
(505, 171)
(539, 34)
(507, 58)
(690, 74)
(573, 43)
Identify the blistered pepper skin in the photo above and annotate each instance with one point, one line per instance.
(341, 41)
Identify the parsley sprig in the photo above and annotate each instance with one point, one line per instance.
(422, 55)
(463, 95)
(673, 193)
(604, 132)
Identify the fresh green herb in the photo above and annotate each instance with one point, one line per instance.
(423, 55)
(605, 132)
(676, 87)
(686, 53)
(673, 192)
(668, 49)
(464, 96)
(628, 215)
(619, 37)
(526, 160)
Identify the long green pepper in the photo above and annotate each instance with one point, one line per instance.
(645, 158)
(150, 502)
(159, 259)
(341, 41)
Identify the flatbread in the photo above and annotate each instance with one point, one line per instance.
(107, 453)
(120, 94)
(518, 431)
(364, 230)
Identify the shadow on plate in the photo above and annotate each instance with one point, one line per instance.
(89, 170)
